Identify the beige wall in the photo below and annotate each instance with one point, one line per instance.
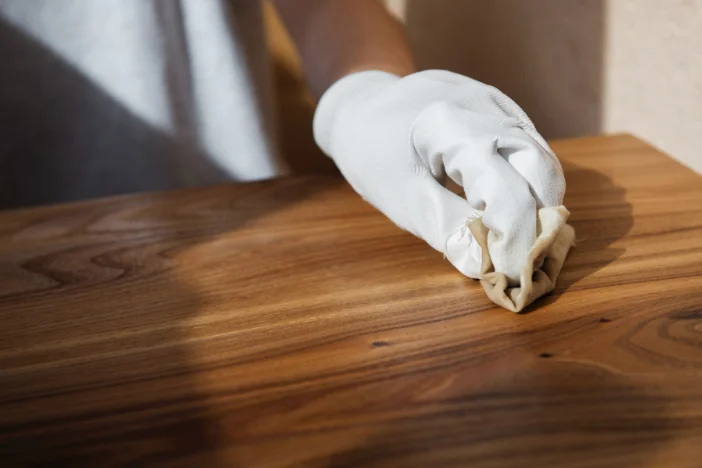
(578, 67)
(653, 79)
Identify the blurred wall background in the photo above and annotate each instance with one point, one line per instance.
(653, 74)
(578, 67)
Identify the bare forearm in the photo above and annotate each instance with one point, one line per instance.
(339, 37)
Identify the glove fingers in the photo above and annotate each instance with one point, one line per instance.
(490, 182)
(482, 109)
(509, 209)
(536, 163)
(441, 218)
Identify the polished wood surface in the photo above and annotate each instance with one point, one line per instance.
(287, 323)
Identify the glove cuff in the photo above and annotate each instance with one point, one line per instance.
(344, 91)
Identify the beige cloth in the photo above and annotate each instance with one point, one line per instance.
(543, 266)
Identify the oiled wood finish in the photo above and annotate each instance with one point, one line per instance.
(288, 324)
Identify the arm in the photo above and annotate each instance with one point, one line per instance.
(338, 37)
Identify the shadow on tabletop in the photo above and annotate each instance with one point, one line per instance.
(547, 414)
(601, 216)
(96, 361)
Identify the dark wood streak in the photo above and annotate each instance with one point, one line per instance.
(287, 323)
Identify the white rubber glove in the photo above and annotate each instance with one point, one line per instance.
(395, 139)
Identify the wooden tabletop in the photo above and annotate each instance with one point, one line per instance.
(287, 323)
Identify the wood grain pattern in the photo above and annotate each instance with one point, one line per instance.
(287, 323)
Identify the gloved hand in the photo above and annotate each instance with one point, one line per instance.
(395, 139)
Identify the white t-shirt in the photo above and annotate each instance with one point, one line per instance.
(100, 97)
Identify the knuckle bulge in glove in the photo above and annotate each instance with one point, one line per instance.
(494, 189)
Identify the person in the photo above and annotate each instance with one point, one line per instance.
(116, 96)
